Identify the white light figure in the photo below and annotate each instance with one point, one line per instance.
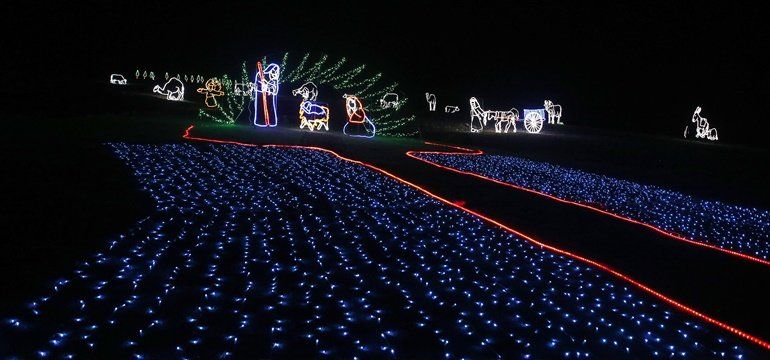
(152, 75)
(389, 100)
(166, 76)
(266, 93)
(144, 75)
(137, 74)
(533, 120)
(173, 89)
(212, 89)
(358, 124)
(702, 128)
(118, 79)
(480, 117)
(185, 78)
(312, 115)
(554, 112)
(243, 89)
(451, 109)
(431, 98)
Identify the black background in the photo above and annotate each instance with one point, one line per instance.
(631, 66)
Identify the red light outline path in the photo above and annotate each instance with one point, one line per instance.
(684, 308)
(471, 152)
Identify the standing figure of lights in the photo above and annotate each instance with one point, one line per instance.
(173, 89)
(389, 100)
(480, 117)
(702, 128)
(533, 120)
(554, 112)
(358, 123)
(266, 95)
(212, 89)
(312, 114)
(431, 98)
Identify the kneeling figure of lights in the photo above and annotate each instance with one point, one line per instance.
(702, 128)
(212, 89)
(480, 117)
(173, 89)
(358, 123)
(312, 114)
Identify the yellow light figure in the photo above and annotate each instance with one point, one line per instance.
(212, 89)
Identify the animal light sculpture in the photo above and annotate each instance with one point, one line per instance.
(702, 128)
(533, 120)
(554, 112)
(243, 89)
(451, 109)
(312, 114)
(480, 117)
(431, 98)
(358, 123)
(118, 79)
(389, 100)
(173, 89)
(266, 84)
(212, 89)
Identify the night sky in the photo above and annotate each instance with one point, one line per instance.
(641, 67)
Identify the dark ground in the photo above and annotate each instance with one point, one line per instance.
(64, 194)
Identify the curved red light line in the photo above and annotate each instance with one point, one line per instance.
(684, 308)
(585, 206)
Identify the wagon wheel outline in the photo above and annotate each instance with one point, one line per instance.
(533, 122)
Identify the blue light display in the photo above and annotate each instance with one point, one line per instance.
(293, 253)
(735, 228)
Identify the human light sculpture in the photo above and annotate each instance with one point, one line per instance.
(152, 75)
(431, 99)
(451, 109)
(554, 112)
(312, 115)
(173, 89)
(211, 89)
(480, 117)
(533, 120)
(358, 124)
(118, 79)
(266, 84)
(702, 128)
(389, 100)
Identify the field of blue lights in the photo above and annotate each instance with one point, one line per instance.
(735, 228)
(286, 253)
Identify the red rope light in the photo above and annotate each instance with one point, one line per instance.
(684, 308)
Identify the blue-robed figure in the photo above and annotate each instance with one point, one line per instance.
(265, 95)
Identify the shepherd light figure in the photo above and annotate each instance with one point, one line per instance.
(266, 95)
